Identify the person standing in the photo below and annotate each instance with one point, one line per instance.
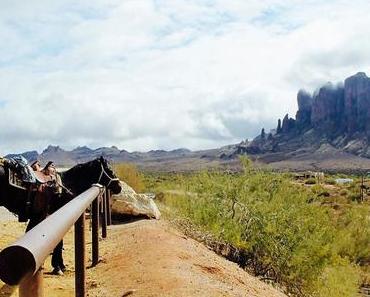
(57, 256)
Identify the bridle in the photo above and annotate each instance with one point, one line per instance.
(104, 173)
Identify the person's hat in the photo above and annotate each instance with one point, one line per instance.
(34, 163)
(48, 164)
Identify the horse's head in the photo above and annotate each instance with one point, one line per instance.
(107, 177)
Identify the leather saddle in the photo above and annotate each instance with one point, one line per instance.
(43, 178)
(21, 175)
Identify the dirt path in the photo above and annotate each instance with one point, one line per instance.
(148, 258)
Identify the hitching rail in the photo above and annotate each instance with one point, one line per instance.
(20, 263)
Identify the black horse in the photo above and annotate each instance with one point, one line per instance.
(79, 178)
(75, 181)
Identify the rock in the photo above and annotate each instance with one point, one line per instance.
(128, 202)
(278, 129)
(288, 124)
(327, 108)
(303, 116)
(263, 133)
(357, 103)
(304, 100)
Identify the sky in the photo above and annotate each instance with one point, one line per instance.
(166, 74)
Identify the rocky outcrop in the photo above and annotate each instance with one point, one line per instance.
(327, 108)
(303, 116)
(337, 114)
(357, 103)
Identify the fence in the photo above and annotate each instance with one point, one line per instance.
(20, 262)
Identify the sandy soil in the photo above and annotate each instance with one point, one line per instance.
(146, 258)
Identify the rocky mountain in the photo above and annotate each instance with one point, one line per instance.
(335, 118)
(82, 154)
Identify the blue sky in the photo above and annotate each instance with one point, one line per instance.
(163, 74)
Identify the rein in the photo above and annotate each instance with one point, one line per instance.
(102, 173)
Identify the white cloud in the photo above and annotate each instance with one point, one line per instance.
(147, 74)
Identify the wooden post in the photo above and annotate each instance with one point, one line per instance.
(95, 231)
(80, 257)
(362, 188)
(104, 215)
(109, 207)
(32, 286)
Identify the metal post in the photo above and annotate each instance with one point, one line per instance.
(104, 215)
(109, 207)
(80, 257)
(32, 286)
(95, 231)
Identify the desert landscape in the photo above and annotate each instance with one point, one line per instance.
(185, 148)
(145, 258)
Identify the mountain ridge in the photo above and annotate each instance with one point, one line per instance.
(336, 115)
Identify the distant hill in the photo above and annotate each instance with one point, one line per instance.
(83, 154)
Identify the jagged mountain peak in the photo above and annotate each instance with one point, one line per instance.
(52, 148)
(337, 114)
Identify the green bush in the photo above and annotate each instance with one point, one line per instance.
(343, 192)
(310, 181)
(330, 181)
(296, 243)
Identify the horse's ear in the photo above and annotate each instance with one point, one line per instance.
(103, 161)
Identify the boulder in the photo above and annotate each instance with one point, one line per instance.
(129, 203)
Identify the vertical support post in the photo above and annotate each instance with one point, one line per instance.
(80, 257)
(32, 286)
(109, 207)
(104, 215)
(95, 231)
(362, 188)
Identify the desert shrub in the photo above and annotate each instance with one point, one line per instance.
(287, 239)
(330, 181)
(354, 234)
(356, 197)
(310, 181)
(343, 192)
(340, 279)
(130, 175)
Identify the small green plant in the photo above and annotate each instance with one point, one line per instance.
(310, 181)
(330, 181)
(343, 192)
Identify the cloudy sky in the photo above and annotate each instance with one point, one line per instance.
(164, 74)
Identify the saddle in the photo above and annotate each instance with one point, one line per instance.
(43, 178)
(36, 185)
(21, 175)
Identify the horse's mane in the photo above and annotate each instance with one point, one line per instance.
(82, 173)
(78, 167)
